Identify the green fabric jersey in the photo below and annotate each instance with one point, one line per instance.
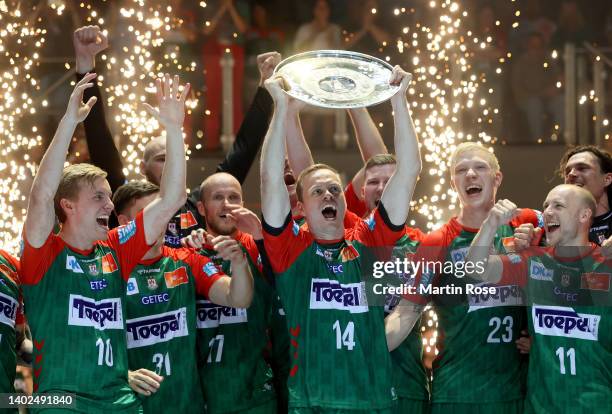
(477, 332)
(10, 315)
(278, 356)
(75, 309)
(340, 358)
(409, 375)
(232, 343)
(161, 326)
(570, 321)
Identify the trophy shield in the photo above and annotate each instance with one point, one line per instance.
(337, 79)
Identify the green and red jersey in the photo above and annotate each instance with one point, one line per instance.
(409, 375)
(233, 342)
(161, 325)
(335, 335)
(11, 315)
(353, 203)
(477, 332)
(570, 322)
(75, 309)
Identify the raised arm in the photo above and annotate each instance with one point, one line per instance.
(400, 322)
(398, 192)
(274, 195)
(40, 217)
(172, 189)
(239, 159)
(369, 141)
(298, 152)
(491, 267)
(88, 42)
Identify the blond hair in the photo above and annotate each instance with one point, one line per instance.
(473, 146)
(305, 173)
(70, 184)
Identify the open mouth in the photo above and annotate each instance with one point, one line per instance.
(102, 221)
(473, 189)
(552, 227)
(289, 179)
(329, 212)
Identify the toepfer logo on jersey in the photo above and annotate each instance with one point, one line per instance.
(331, 294)
(8, 310)
(565, 321)
(153, 329)
(507, 295)
(101, 315)
(210, 315)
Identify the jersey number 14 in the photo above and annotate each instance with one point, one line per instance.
(346, 338)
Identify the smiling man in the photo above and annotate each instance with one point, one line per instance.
(476, 344)
(74, 281)
(319, 269)
(568, 288)
(160, 307)
(591, 168)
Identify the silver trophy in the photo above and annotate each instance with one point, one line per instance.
(337, 79)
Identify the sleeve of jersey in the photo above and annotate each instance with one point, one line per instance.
(353, 203)
(35, 262)
(431, 250)
(204, 271)
(251, 247)
(527, 216)
(130, 243)
(285, 244)
(377, 230)
(351, 219)
(514, 269)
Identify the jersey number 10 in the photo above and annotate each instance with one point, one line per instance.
(105, 352)
(346, 338)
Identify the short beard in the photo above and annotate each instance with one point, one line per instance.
(221, 232)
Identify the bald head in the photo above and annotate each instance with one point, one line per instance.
(154, 157)
(218, 181)
(581, 195)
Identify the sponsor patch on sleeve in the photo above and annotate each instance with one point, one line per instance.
(126, 232)
(210, 269)
(371, 222)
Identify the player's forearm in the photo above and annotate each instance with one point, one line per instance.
(399, 190)
(298, 151)
(274, 196)
(399, 323)
(482, 265)
(241, 286)
(173, 185)
(368, 136)
(51, 166)
(84, 63)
